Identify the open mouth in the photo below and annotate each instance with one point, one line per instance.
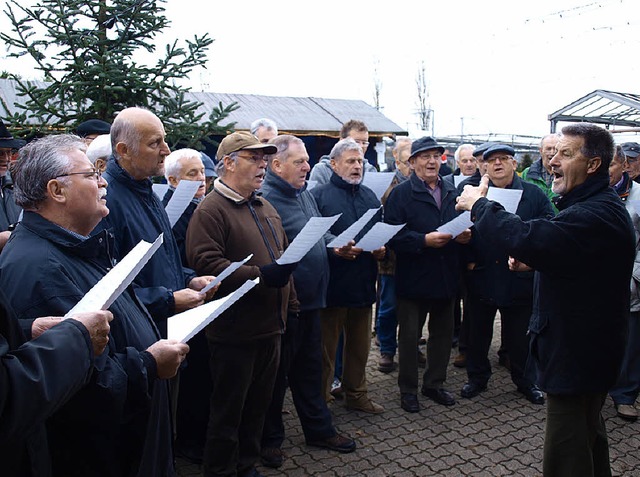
(102, 193)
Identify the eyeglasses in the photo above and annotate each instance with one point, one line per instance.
(255, 158)
(360, 142)
(502, 158)
(93, 172)
(428, 155)
(7, 152)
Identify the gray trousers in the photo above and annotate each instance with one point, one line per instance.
(412, 315)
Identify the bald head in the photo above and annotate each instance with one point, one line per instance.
(138, 142)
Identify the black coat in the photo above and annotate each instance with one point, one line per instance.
(36, 378)
(491, 279)
(421, 272)
(583, 259)
(352, 283)
(120, 421)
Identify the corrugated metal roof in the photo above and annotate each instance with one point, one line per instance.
(300, 115)
(603, 107)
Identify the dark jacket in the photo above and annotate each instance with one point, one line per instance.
(352, 282)
(180, 227)
(227, 228)
(421, 272)
(119, 423)
(583, 259)
(491, 279)
(9, 210)
(36, 378)
(136, 213)
(296, 207)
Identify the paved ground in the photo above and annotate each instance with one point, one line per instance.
(498, 433)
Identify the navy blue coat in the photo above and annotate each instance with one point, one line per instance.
(45, 270)
(136, 213)
(352, 283)
(9, 210)
(423, 273)
(491, 279)
(36, 378)
(583, 259)
(295, 207)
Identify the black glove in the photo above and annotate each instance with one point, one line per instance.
(275, 275)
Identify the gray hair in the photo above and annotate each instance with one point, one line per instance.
(100, 148)
(402, 140)
(343, 146)
(283, 143)
(123, 130)
(220, 170)
(39, 162)
(263, 122)
(461, 148)
(173, 161)
(556, 135)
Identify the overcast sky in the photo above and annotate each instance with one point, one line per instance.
(494, 66)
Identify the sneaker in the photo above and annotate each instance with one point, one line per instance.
(367, 405)
(628, 412)
(336, 443)
(386, 364)
(336, 389)
(271, 457)
(460, 361)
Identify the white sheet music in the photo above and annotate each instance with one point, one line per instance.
(109, 287)
(160, 189)
(458, 225)
(225, 273)
(307, 238)
(186, 325)
(458, 179)
(353, 230)
(507, 198)
(377, 236)
(180, 199)
(378, 182)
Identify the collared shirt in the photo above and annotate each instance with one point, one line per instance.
(547, 177)
(436, 192)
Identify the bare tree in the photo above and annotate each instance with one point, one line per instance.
(377, 84)
(424, 108)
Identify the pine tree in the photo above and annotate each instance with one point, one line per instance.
(84, 51)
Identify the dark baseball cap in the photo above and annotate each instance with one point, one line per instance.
(631, 149)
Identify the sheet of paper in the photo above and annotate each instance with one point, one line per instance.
(109, 287)
(636, 205)
(313, 231)
(186, 325)
(458, 179)
(233, 266)
(353, 230)
(458, 225)
(180, 199)
(378, 182)
(160, 190)
(378, 235)
(507, 198)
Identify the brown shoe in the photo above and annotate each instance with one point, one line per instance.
(386, 364)
(460, 361)
(366, 405)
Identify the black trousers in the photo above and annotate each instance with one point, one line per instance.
(243, 375)
(515, 323)
(301, 366)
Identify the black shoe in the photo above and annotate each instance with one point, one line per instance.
(409, 402)
(251, 473)
(336, 443)
(441, 396)
(472, 389)
(533, 394)
(271, 457)
(192, 453)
